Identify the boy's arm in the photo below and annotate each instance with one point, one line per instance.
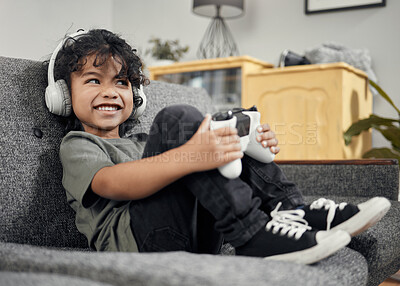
(206, 150)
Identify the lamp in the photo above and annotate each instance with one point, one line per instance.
(218, 40)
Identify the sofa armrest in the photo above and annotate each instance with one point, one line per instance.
(354, 181)
(361, 178)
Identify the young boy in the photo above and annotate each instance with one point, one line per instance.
(164, 193)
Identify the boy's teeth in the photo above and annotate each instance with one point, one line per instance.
(107, 108)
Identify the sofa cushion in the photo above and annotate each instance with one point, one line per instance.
(45, 279)
(33, 207)
(346, 267)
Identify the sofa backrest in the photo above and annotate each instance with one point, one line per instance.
(33, 207)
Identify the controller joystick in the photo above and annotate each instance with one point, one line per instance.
(246, 122)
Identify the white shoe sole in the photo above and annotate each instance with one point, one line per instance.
(327, 244)
(370, 213)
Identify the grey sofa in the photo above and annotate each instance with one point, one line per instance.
(39, 244)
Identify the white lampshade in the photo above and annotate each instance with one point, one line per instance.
(227, 8)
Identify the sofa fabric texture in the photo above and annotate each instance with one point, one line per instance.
(40, 245)
(181, 268)
(29, 164)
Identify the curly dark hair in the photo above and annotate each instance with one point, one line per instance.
(73, 55)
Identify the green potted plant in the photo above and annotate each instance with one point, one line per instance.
(388, 127)
(169, 50)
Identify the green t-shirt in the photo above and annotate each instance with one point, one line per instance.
(106, 223)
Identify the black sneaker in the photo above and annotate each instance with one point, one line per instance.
(288, 237)
(325, 214)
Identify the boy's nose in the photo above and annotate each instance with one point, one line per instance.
(109, 93)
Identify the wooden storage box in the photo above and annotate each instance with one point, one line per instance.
(223, 78)
(309, 107)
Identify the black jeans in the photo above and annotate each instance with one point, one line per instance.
(200, 210)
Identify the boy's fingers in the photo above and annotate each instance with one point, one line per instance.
(230, 156)
(230, 139)
(270, 143)
(234, 147)
(263, 128)
(230, 148)
(205, 124)
(275, 149)
(223, 131)
(269, 136)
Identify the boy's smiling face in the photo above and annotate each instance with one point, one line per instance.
(100, 99)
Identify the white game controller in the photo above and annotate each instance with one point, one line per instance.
(246, 121)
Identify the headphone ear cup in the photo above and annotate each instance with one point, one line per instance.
(58, 99)
(140, 110)
(66, 105)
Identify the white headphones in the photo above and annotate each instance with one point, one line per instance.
(58, 98)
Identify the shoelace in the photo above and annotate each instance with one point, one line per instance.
(290, 222)
(329, 206)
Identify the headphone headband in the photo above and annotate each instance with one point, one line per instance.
(50, 72)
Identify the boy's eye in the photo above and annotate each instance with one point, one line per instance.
(93, 80)
(122, 82)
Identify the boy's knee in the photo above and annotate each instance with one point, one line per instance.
(182, 112)
(177, 123)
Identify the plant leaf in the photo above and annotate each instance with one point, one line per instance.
(391, 133)
(365, 124)
(382, 153)
(384, 95)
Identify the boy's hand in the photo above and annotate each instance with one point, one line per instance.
(267, 138)
(210, 149)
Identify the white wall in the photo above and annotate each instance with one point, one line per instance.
(32, 28)
(270, 26)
